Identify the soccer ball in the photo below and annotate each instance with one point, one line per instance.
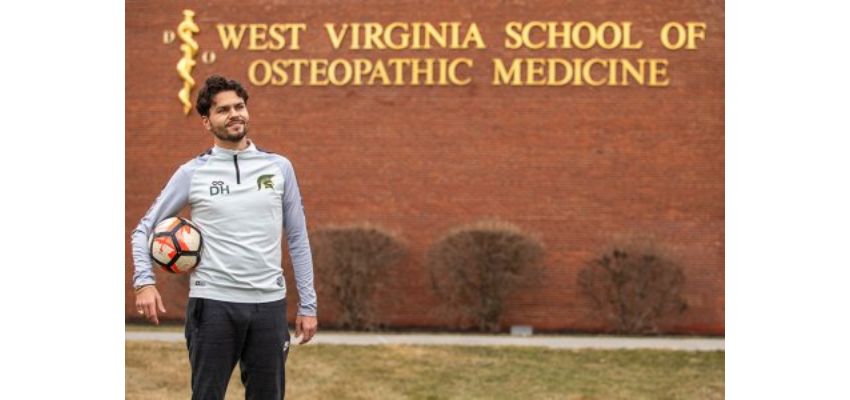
(175, 245)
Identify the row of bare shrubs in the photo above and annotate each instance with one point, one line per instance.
(474, 269)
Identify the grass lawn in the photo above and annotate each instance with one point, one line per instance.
(160, 370)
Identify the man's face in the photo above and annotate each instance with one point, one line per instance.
(228, 119)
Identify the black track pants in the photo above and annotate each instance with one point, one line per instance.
(218, 334)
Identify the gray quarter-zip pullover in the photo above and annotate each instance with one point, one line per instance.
(242, 202)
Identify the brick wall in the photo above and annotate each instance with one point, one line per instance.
(575, 165)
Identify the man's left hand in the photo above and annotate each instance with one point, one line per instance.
(305, 327)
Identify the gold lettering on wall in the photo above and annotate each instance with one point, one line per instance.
(360, 71)
(168, 36)
(405, 35)
(579, 68)
(578, 71)
(261, 36)
(581, 35)
(685, 34)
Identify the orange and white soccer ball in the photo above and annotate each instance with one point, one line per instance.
(176, 244)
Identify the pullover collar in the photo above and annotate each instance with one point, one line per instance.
(216, 150)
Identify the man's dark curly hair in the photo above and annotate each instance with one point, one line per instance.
(214, 85)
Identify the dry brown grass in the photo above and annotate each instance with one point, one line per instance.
(156, 370)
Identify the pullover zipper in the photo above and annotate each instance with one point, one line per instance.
(237, 169)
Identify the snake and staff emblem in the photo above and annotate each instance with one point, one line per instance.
(187, 63)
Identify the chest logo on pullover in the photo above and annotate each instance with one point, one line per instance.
(218, 187)
(265, 181)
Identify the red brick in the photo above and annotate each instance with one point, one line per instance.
(577, 166)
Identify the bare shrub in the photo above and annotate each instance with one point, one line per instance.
(634, 286)
(474, 268)
(353, 262)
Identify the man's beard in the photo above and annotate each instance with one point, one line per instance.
(224, 135)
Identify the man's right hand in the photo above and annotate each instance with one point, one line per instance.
(147, 303)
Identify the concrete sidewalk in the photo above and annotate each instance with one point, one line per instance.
(550, 341)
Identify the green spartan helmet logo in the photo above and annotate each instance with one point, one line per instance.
(265, 181)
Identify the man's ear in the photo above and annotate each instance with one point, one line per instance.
(206, 121)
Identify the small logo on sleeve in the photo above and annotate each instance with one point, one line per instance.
(265, 181)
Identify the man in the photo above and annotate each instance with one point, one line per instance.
(242, 199)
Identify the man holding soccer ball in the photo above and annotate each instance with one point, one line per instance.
(242, 200)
